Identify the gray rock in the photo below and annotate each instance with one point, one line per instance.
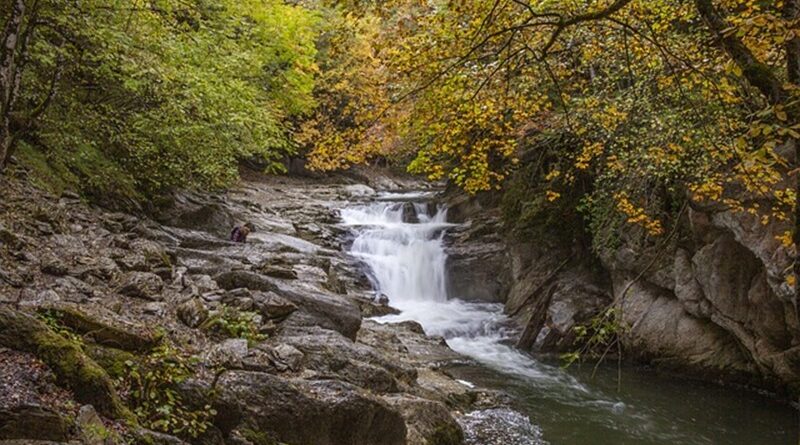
(330, 412)
(145, 285)
(192, 312)
(273, 306)
(91, 428)
(228, 354)
(156, 438)
(33, 422)
(428, 422)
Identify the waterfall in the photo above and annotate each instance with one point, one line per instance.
(403, 247)
(400, 239)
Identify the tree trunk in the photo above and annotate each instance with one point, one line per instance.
(9, 76)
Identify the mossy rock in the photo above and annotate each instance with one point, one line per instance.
(113, 360)
(103, 329)
(72, 367)
(448, 434)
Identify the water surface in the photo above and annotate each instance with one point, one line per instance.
(566, 407)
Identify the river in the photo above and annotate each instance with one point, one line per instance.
(406, 259)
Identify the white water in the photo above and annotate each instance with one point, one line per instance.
(407, 261)
(408, 265)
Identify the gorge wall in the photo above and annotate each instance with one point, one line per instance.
(712, 302)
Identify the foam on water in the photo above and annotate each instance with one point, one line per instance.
(407, 263)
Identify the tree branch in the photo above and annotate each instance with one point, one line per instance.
(757, 73)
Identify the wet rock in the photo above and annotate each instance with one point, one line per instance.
(665, 334)
(330, 353)
(477, 265)
(192, 312)
(330, 412)
(570, 300)
(145, 285)
(500, 426)
(428, 422)
(317, 308)
(33, 422)
(334, 283)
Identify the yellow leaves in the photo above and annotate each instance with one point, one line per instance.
(552, 196)
(710, 190)
(553, 174)
(589, 152)
(637, 215)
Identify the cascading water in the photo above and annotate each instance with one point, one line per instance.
(401, 240)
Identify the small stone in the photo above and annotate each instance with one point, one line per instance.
(273, 306)
(279, 272)
(145, 285)
(92, 429)
(155, 308)
(192, 312)
(228, 354)
(287, 357)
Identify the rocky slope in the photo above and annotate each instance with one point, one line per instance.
(256, 343)
(713, 303)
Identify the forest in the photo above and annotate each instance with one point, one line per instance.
(632, 107)
(640, 156)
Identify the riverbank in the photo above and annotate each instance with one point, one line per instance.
(149, 326)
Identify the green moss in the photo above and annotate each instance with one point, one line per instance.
(45, 173)
(113, 361)
(88, 381)
(448, 434)
(259, 437)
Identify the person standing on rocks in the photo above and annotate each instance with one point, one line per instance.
(239, 233)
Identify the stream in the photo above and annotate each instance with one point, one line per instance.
(404, 251)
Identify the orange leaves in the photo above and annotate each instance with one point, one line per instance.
(637, 215)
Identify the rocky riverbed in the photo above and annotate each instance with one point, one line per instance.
(269, 338)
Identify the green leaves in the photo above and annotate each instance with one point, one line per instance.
(174, 93)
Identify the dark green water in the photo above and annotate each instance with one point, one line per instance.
(649, 409)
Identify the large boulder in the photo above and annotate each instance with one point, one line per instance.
(318, 308)
(33, 422)
(331, 354)
(305, 412)
(71, 366)
(477, 265)
(570, 300)
(663, 333)
(103, 327)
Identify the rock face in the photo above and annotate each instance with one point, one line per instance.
(714, 304)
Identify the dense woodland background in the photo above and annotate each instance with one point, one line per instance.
(621, 112)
